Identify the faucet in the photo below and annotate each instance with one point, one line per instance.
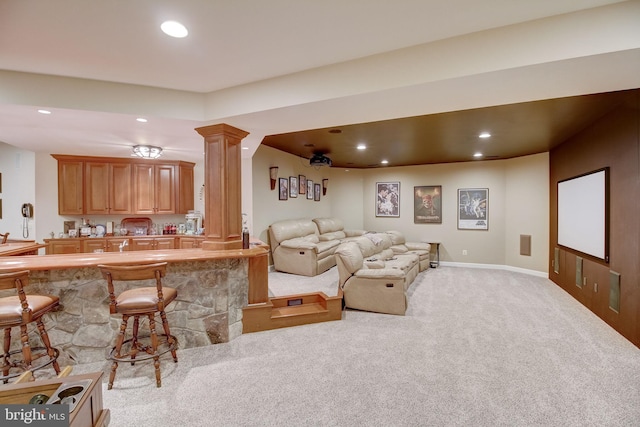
(123, 244)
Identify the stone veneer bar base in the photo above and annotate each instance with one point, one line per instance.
(208, 310)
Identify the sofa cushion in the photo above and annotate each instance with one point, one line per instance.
(292, 228)
(367, 247)
(299, 243)
(334, 235)
(386, 254)
(399, 249)
(396, 237)
(350, 256)
(328, 225)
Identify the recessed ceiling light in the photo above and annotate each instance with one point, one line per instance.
(361, 147)
(484, 135)
(245, 148)
(141, 120)
(174, 29)
(384, 162)
(477, 155)
(44, 111)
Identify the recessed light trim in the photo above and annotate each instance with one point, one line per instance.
(174, 29)
(361, 147)
(141, 120)
(484, 135)
(477, 155)
(384, 162)
(41, 111)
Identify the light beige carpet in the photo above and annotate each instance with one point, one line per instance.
(476, 348)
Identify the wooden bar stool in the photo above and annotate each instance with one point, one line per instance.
(136, 302)
(21, 310)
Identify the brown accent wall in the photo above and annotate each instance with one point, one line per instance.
(613, 141)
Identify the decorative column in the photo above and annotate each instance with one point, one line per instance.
(223, 190)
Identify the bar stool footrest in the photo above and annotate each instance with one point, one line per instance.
(144, 351)
(39, 359)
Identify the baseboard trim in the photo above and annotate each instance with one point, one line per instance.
(496, 267)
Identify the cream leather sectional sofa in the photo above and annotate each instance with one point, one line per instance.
(305, 246)
(373, 276)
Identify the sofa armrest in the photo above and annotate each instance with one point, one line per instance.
(298, 244)
(354, 233)
(380, 273)
(415, 246)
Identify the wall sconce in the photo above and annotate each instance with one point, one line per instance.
(325, 184)
(273, 174)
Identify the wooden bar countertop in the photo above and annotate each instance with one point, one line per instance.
(19, 248)
(59, 262)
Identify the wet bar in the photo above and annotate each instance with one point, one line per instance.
(213, 288)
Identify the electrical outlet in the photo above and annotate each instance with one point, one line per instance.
(464, 252)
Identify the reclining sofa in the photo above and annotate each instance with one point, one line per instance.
(372, 276)
(296, 248)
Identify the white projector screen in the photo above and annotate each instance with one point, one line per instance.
(583, 213)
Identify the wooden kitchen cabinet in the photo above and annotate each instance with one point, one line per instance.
(190, 242)
(113, 244)
(152, 243)
(62, 246)
(92, 244)
(122, 186)
(154, 189)
(108, 188)
(70, 187)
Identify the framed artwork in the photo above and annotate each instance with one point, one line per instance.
(283, 185)
(427, 204)
(293, 186)
(302, 184)
(473, 208)
(309, 189)
(388, 199)
(316, 192)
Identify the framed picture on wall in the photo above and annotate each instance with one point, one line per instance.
(293, 186)
(309, 189)
(316, 192)
(388, 199)
(473, 208)
(302, 184)
(427, 204)
(283, 186)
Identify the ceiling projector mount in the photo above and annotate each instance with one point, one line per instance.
(319, 159)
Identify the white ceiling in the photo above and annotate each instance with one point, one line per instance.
(286, 65)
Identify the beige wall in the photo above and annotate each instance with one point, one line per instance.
(17, 167)
(518, 204)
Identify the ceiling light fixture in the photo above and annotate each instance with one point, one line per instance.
(361, 147)
(477, 155)
(141, 120)
(147, 151)
(44, 111)
(174, 29)
(384, 162)
(484, 135)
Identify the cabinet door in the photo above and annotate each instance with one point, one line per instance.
(63, 246)
(113, 244)
(165, 189)
(142, 244)
(165, 243)
(120, 200)
(185, 189)
(70, 187)
(187, 243)
(97, 188)
(143, 189)
(91, 245)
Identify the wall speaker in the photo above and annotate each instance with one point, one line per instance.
(525, 244)
(614, 291)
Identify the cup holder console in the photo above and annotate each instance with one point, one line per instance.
(70, 393)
